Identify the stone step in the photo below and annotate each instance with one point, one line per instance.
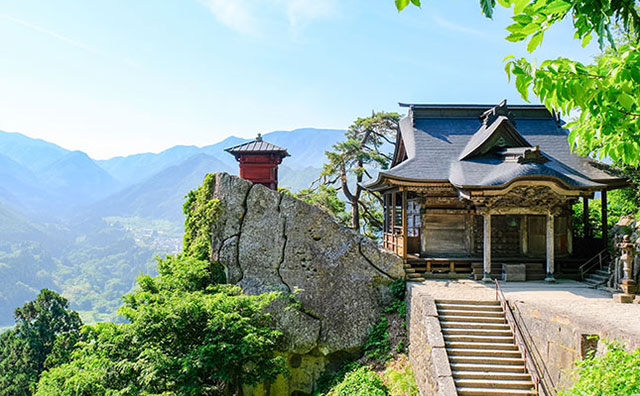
(419, 279)
(480, 339)
(486, 360)
(459, 324)
(491, 375)
(488, 368)
(602, 272)
(469, 307)
(494, 383)
(476, 312)
(476, 352)
(478, 332)
(481, 345)
(598, 276)
(462, 391)
(479, 319)
(414, 275)
(468, 302)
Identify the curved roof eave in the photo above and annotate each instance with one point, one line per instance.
(556, 180)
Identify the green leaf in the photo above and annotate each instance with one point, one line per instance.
(519, 6)
(416, 3)
(522, 19)
(487, 7)
(635, 74)
(530, 28)
(515, 28)
(557, 7)
(535, 41)
(516, 37)
(626, 101)
(401, 4)
(586, 39)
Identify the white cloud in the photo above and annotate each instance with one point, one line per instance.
(248, 16)
(235, 14)
(300, 12)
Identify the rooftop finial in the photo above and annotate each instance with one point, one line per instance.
(259, 138)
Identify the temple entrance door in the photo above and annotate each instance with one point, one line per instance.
(537, 242)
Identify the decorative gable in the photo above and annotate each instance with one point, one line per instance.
(499, 135)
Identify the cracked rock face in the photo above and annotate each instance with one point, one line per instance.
(268, 242)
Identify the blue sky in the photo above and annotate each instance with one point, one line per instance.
(122, 76)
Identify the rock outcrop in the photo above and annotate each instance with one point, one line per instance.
(270, 241)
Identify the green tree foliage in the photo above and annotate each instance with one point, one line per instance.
(615, 373)
(326, 198)
(44, 333)
(200, 211)
(360, 382)
(187, 336)
(604, 94)
(352, 160)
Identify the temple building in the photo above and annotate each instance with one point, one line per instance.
(472, 188)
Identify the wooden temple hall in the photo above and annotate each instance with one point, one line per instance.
(481, 189)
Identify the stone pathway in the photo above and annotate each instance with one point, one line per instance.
(567, 300)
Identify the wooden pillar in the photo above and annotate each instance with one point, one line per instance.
(487, 248)
(405, 224)
(550, 249)
(585, 218)
(524, 234)
(570, 233)
(605, 231)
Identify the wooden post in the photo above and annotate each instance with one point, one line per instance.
(487, 248)
(585, 218)
(605, 231)
(570, 233)
(405, 224)
(394, 237)
(550, 249)
(524, 233)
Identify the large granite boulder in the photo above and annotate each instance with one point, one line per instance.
(269, 241)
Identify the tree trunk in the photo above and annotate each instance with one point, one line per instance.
(355, 215)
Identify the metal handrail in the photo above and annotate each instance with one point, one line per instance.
(594, 261)
(518, 336)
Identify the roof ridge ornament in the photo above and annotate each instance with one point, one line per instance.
(501, 109)
(259, 137)
(533, 155)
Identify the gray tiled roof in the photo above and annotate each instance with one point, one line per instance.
(436, 138)
(257, 146)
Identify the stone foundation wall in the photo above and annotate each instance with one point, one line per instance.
(427, 353)
(561, 340)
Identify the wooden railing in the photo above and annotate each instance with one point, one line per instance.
(394, 242)
(534, 364)
(596, 261)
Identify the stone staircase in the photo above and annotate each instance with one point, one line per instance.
(480, 345)
(598, 277)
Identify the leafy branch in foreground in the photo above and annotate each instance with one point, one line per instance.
(605, 93)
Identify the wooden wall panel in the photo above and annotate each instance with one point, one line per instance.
(444, 235)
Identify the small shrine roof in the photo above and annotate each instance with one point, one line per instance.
(257, 146)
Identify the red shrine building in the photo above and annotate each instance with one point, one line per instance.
(259, 161)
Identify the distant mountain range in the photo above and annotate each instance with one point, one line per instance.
(87, 227)
(45, 180)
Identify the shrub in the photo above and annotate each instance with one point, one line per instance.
(377, 345)
(399, 378)
(360, 382)
(616, 373)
